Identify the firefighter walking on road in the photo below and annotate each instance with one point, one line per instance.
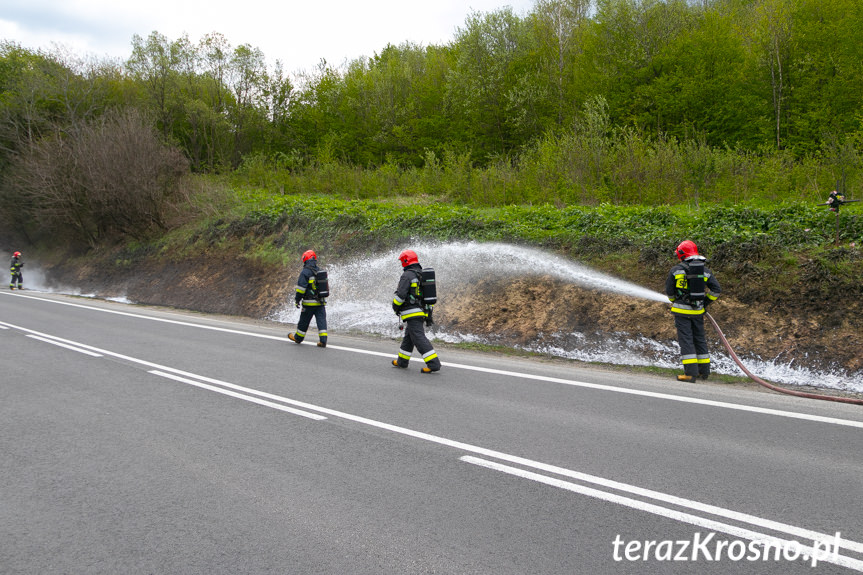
(15, 268)
(691, 287)
(312, 291)
(409, 304)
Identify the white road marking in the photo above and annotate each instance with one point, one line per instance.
(314, 416)
(515, 374)
(683, 517)
(186, 377)
(157, 367)
(73, 348)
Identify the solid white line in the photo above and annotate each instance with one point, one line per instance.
(57, 343)
(691, 504)
(683, 517)
(314, 416)
(61, 341)
(158, 319)
(668, 396)
(694, 505)
(515, 374)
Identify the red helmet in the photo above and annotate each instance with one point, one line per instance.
(408, 257)
(16, 254)
(309, 255)
(686, 249)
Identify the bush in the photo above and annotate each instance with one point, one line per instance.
(99, 181)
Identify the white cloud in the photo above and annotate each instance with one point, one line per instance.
(299, 33)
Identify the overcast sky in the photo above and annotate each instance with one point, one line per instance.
(298, 32)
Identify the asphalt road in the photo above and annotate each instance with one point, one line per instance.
(139, 440)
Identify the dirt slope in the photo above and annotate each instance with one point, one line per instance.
(513, 311)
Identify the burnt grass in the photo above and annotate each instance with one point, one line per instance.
(801, 308)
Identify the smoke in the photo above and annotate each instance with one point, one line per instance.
(36, 280)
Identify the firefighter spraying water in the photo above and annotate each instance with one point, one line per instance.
(691, 287)
(360, 299)
(17, 279)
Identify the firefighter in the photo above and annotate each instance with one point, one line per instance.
(313, 303)
(15, 268)
(408, 305)
(691, 287)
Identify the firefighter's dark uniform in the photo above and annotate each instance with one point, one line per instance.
(408, 304)
(17, 279)
(313, 304)
(689, 318)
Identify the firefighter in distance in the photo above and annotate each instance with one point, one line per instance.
(312, 292)
(691, 287)
(15, 268)
(414, 308)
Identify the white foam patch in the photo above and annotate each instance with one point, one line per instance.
(362, 292)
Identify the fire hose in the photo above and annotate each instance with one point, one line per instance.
(770, 385)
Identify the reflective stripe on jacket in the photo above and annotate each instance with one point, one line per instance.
(408, 298)
(676, 289)
(306, 286)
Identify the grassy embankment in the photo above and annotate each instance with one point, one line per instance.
(780, 243)
(778, 255)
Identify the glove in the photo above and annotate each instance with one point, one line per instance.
(396, 308)
(429, 320)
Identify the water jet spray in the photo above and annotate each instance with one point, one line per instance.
(362, 289)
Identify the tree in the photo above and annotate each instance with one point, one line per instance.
(486, 70)
(773, 29)
(31, 96)
(826, 73)
(108, 178)
(154, 65)
(561, 27)
(632, 47)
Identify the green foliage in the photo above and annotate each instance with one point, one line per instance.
(655, 103)
(359, 225)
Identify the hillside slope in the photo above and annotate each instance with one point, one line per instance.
(806, 326)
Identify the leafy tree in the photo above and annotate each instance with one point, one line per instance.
(314, 113)
(707, 93)
(108, 178)
(773, 33)
(486, 70)
(249, 84)
(561, 26)
(154, 63)
(828, 79)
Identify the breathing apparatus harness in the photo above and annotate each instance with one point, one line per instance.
(317, 288)
(694, 290)
(424, 295)
(426, 292)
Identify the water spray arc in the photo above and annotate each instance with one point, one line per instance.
(363, 288)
